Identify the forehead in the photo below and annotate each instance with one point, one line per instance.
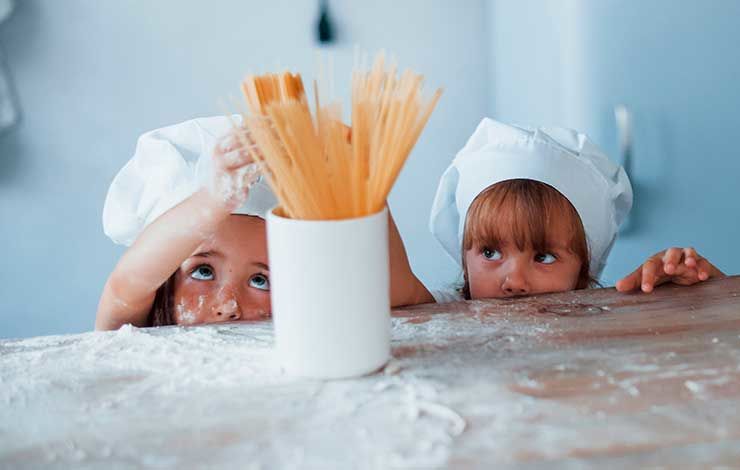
(239, 236)
(514, 213)
(554, 233)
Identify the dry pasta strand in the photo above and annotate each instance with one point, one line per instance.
(319, 168)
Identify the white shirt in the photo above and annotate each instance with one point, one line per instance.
(445, 296)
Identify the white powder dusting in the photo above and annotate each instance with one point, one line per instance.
(235, 185)
(171, 382)
(392, 368)
(695, 387)
(118, 302)
(185, 316)
(442, 412)
(457, 389)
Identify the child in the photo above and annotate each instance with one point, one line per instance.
(192, 210)
(195, 227)
(530, 212)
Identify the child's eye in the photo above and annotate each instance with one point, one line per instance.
(259, 281)
(493, 255)
(202, 273)
(545, 258)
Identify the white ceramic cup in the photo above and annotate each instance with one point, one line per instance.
(330, 292)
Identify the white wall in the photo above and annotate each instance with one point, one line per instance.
(93, 75)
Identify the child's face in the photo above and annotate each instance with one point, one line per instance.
(227, 278)
(507, 271)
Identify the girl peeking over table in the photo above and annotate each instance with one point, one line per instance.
(536, 211)
(191, 207)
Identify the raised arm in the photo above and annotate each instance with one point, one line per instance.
(164, 244)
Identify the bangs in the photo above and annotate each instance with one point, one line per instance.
(527, 213)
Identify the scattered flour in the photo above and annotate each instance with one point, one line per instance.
(177, 397)
(695, 387)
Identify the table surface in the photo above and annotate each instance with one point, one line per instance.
(576, 379)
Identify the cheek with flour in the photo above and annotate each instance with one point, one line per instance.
(189, 311)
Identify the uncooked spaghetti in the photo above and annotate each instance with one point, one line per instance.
(316, 170)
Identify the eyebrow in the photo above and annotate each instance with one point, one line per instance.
(207, 254)
(261, 265)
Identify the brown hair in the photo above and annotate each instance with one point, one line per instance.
(163, 307)
(522, 210)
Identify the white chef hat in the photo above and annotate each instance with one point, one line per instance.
(169, 165)
(564, 159)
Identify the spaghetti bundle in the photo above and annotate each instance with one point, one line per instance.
(318, 168)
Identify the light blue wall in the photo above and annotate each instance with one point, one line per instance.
(676, 65)
(93, 75)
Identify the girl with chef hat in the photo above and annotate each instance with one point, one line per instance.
(191, 207)
(535, 211)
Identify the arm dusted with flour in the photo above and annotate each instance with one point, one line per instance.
(157, 253)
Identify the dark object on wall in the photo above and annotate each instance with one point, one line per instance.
(325, 28)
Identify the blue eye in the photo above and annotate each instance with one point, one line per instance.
(545, 258)
(493, 255)
(202, 273)
(259, 281)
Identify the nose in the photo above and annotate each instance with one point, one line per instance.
(515, 282)
(227, 309)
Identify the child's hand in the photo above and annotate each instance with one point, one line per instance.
(234, 170)
(681, 266)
